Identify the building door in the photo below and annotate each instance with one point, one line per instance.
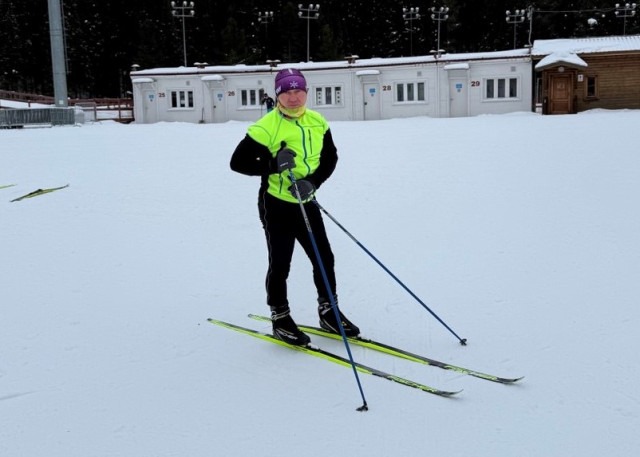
(371, 101)
(150, 103)
(560, 94)
(219, 105)
(458, 99)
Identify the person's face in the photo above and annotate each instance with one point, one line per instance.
(292, 99)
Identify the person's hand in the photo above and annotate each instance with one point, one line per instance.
(285, 159)
(305, 187)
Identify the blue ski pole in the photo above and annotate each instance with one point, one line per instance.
(462, 341)
(364, 406)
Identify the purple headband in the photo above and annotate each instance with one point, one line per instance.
(289, 79)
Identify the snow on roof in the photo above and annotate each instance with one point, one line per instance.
(376, 62)
(367, 72)
(212, 78)
(556, 58)
(586, 45)
(142, 80)
(457, 66)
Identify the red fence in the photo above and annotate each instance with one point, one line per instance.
(117, 109)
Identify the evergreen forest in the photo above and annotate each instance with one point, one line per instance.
(103, 39)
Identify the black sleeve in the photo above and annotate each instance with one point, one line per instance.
(328, 161)
(252, 158)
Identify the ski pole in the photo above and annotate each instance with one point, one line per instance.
(364, 406)
(463, 341)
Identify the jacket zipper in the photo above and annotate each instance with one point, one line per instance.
(304, 146)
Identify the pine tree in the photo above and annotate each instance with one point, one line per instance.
(103, 39)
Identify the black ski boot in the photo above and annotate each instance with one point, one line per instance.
(328, 319)
(285, 329)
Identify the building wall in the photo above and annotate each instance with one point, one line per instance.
(345, 93)
(483, 73)
(618, 82)
(319, 82)
(391, 107)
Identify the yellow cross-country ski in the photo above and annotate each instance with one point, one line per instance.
(326, 355)
(35, 193)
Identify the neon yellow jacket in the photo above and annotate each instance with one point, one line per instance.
(305, 136)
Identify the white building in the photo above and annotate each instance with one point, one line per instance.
(451, 85)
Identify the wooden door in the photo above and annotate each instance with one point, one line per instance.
(561, 94)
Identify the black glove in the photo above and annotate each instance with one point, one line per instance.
(305, 187)
(285, 159)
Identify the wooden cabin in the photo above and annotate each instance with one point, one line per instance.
(574, 75)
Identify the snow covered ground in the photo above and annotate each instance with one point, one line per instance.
(521, 231)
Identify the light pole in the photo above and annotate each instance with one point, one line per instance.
(439, 15)
(308, 13)
(515, 18)
(625, 11)
(265, 18)
(183, 10)
(409, 15)
(58, 52)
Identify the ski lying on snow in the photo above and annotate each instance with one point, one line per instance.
(385, 348)
(326, 355)
(35, 193)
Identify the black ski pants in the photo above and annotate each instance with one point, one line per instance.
(283, 224)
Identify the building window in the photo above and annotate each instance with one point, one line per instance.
(501, 88)
(181, 99)
(250, 98)
(592, 87)
(410, 92)
(513, 87)
(328, 96)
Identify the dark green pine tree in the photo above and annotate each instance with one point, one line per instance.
(104, 38)
(328, 48)
(477, 27)
(370, 28)
(233, 43)
(25, 51)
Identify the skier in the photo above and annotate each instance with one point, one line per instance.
(292, 138)
(268, 102)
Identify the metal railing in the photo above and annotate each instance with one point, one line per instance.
(96, 109)
(14, 118)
